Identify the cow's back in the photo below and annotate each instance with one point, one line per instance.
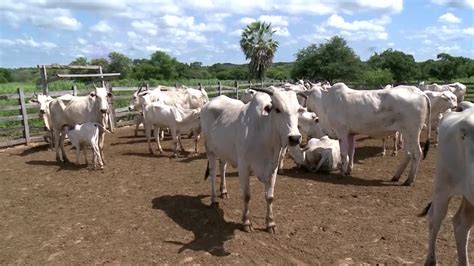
(219, 125)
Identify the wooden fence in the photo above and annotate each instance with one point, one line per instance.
(120, 113)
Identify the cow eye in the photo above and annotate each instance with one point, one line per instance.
(277, 110)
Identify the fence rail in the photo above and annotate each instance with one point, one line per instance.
(120, 111)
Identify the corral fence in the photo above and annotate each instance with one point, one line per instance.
(21, 122)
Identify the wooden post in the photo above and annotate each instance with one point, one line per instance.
(101, 76)
(147, 86)
(44, 79)
(250, 84)
(219, 87)
(74, 90)
(199, 86)
(176, 85)
(24, 114)
(236, 85)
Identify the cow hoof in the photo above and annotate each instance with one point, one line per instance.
(151, 152)
(271, 229)
(175, 156)
(224, 195)
(395, 179)
(406, 183)
(248, 228)
(215, 205)
(394, 154)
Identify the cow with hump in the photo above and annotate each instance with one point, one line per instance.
(250, 137)
(78, 110)
(344, 113)
(454, 177)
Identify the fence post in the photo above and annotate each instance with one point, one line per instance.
(250, 84)
(74, 90)
(219, 87)
(199, 86)
(101, 76)
(24, 114)
(236, 85)
(44, 79)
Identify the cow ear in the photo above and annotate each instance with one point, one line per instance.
(267, 109)
(92, 94)
(302, 109)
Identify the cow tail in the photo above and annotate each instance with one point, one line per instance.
(206, 175)
(427, 143)
(425, 210)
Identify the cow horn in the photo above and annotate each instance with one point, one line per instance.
(265, 90)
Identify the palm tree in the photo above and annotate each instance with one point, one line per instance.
(258, 46)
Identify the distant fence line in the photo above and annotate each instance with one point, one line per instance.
(117, 113)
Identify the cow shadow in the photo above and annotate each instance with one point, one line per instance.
(62, 166)
(147, 154)
(208, 225)
(336, 178)
(362, 153)
(35, 149)
(189, 157)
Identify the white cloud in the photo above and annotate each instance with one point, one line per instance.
(449, 18)
(468, 31)
(279, 21)
(373, 29)
(59, 23)
(81, 41)
(132, 35)
(237, 32)
(102, 27)
(145, 27)
(281, 31)
(246, 20)
(27, 42)
(455, 3)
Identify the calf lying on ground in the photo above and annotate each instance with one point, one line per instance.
(85, 135)
(454, 176)
(321, 154)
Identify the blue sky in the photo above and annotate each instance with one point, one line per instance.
(57, 31)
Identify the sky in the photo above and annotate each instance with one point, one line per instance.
(36, 32)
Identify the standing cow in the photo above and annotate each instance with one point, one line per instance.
(454, 176)
(78, 110)
(250, 137)
(344, 113)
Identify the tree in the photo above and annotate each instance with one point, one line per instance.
(80, 61)
(120, 63)
(402, 66)
(103, 62)
(258, 46)
(5, 75)
(329, 61)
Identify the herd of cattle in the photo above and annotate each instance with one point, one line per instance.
(254, 134)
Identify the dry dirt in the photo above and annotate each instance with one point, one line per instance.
(145, 209)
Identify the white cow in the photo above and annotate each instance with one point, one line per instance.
(187, 98)
(176, 118)
(344, 113)
(454, 176)
(464, 105)
(43, 101)
(457, 88)
(250, 137)
(321, 154)
(440, 103)
(85, 135)
(78, 110)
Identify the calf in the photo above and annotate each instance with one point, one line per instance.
(454, 176)
(85, 135)
(318, 155)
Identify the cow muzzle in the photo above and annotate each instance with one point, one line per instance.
(294, 140)
(130, 108)
(42, 111)
(103, 111)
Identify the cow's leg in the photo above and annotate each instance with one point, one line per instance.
(98, 159)
(351, 150)
(212, 173)
(196, 136)
(101, 143)
(52, 140)
(223, 188)
(148, 136)
(59, 158)
(282, 159)
(176, 140)
(162, 134)
(156, 131)
(78, 155)
(137, 124)
(384, 140)
(85, 156)
(401, 167)
(244, 175)
(269, 188)
(180, 143)
(462, 223)
(395, 144)
(413, 145)
(436, 215)
(344, 145)
(63, 151)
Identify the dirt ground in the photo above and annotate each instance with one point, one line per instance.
(145, 209)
